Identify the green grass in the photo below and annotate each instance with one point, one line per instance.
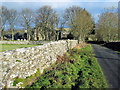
(75, 69)
(4, 47)
(118, 52)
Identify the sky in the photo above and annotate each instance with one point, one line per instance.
(94, 7)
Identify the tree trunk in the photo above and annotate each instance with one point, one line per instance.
(57, 36)
(1, 34)
(46, 35)
(53, 35)
(12, 33)
(39, 36)
(35, 35)
(29, 37)
(28, 33)
(79, 38)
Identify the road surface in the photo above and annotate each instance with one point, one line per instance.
(109, 62)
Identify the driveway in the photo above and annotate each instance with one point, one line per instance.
(109, 62)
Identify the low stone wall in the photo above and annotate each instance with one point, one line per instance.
(31, 59)
(24, 42)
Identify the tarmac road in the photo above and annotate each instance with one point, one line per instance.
(109, 62)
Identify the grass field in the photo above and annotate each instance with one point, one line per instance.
(4, 47)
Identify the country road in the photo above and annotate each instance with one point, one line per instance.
(109, 62)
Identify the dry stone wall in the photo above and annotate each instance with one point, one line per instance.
(30, 59)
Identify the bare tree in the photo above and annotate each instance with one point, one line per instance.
(43, 14)
(4, 18)
(12, 14)
(80, 22)
(84, 24)
(108, 24)
(46, 20)
(27, 19)
(53, 24)
(69, 13)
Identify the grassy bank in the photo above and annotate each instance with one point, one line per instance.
(78, 68)
(117, 52)
(4, 47)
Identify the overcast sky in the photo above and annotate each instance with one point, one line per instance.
(95, 7)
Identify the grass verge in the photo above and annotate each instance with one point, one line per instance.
(77, 68)
(117, 52)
